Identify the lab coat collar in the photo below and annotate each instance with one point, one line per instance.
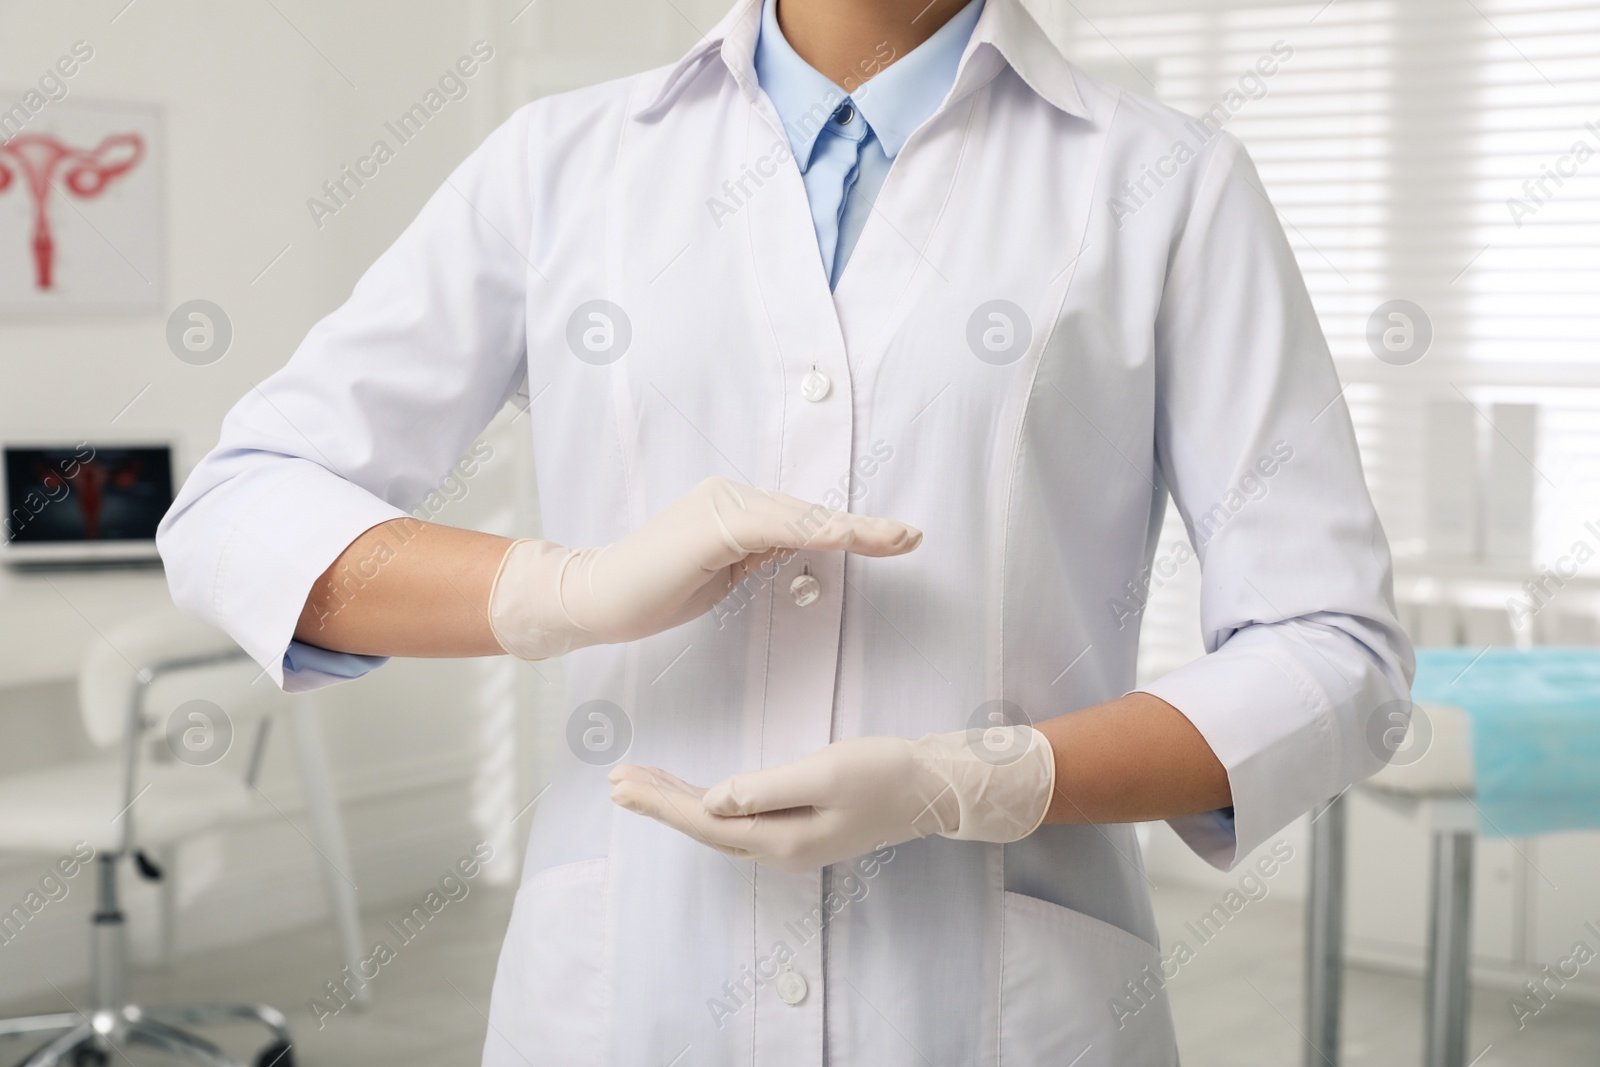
(1006, 34)
(734, 39)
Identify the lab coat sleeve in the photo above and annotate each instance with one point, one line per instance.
(381, 399)
(1256, 446)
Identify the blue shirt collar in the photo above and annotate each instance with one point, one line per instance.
(894, 101)
(1005, 36)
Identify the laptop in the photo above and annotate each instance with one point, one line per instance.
(85, 503)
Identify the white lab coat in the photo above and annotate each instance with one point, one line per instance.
(1170, 345)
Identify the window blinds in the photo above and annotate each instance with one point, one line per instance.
(1442, 152)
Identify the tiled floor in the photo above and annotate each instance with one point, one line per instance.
(429, 1001)
(1237, 1002)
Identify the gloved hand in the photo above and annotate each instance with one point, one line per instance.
(859, 795)
(548, 600)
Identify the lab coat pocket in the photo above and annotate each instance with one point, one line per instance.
(551, 991)
(1064, 997)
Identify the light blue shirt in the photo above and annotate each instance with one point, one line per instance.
(311, 663)
(844, 141)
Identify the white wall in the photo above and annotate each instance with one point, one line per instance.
(256, 120)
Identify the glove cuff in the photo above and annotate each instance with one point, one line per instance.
(526, 613)
(1002, 779)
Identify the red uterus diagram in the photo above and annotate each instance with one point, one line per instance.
(42, 160)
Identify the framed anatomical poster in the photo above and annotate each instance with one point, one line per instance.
(82, 208)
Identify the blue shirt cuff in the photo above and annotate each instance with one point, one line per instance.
(309, 667)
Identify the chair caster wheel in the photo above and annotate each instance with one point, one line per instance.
(277, 1054)
(90, 1057)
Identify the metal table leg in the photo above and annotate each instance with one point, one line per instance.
(327, 827)
(1325, 933)
(1444, 1040)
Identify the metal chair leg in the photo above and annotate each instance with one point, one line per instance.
(327, 826)
(1449, 949)
(57, 1051)
(34, 1024)
(109, 944)
(1325, 933)
(154, 1027)
(169, 906)
(203, 1014)
(159, 1035)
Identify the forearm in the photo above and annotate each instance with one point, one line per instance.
(1133, 759)
(407, 588)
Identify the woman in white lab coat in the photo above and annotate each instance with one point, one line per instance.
(1067, 302)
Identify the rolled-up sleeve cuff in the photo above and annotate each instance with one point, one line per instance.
(1268, 723)
(1211, 834)
(307, 667)
(287, 538)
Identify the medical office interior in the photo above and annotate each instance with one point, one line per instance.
(1433, 163)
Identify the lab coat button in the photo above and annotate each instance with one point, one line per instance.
(790, 986)
(805, 589)
(815, 385)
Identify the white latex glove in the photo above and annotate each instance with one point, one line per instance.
(548, 600)
(859, 795)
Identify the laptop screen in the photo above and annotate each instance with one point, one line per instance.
(85, 493)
